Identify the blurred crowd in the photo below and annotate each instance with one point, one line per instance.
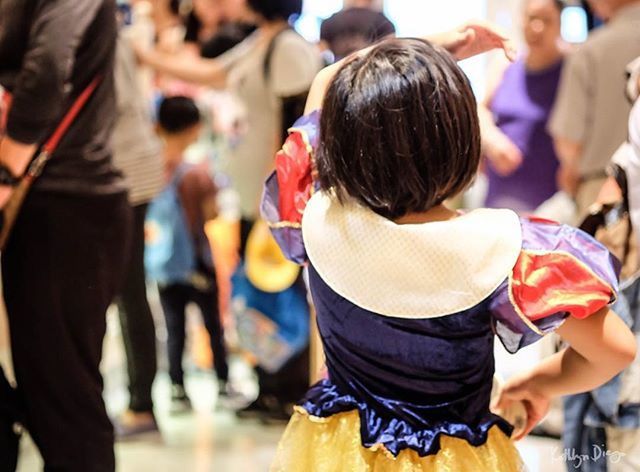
(203, 94)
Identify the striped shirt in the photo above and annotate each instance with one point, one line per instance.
(136, 148)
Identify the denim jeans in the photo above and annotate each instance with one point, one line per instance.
(587, 416)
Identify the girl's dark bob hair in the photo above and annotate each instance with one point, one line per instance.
(276, 9)
(399, 129)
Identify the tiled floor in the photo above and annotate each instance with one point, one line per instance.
(206, 440)
(212, 439)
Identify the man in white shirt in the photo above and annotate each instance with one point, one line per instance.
(589, 120)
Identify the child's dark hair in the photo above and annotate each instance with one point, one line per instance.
(276, 9)
(559, 4)
(174, 7)
(177, 114)
(399, 129)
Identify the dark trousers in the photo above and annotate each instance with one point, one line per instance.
(174, 299)
(290, 383)
(246, 225)
(60, 271)
(136, 321)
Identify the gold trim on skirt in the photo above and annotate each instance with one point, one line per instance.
(334, 445)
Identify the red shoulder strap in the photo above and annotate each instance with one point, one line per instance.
(5, 97)
(37, 165)
(54, 140)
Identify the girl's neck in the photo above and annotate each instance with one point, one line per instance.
(540, 59)
(437, 213)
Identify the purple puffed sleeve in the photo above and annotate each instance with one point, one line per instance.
(560, 272)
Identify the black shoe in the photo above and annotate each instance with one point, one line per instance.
(229, 397)
(131, 425)
(180, 402)
(253, 410)
(278, 415)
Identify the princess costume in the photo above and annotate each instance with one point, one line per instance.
(408, 314)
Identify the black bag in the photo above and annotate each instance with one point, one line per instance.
(293, 106)
(611, 225)
(9, 425)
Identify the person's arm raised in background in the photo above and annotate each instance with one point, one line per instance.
(210, 72)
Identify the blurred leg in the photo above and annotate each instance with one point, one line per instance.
(207, 302)
(136, 321)
(174, 301)
(61, 270)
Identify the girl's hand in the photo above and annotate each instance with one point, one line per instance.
(475, 38)
(520, 389)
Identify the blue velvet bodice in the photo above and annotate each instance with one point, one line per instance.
(421, 378)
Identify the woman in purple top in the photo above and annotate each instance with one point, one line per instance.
(522, 162)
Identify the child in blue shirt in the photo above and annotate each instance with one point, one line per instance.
(178, 255)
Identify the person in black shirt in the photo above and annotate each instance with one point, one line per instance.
(227, 32)
(354, 28)
(68, 249)
(228, 36)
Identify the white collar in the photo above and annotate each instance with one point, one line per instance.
(410, 271)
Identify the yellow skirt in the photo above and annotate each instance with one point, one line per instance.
(333, 444)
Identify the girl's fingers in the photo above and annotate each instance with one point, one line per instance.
(533, 418)
(498, 38)
(510, 51)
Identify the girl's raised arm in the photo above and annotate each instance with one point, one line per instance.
(468, 40)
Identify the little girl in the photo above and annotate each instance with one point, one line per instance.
(410, 294)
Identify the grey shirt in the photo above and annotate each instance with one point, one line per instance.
(591, 107)
(293, 66)
(49, 53)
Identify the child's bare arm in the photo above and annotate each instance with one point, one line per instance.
(210, 208)
(600, 347)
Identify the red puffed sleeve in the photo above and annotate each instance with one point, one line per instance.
(561, 272)
(290, 187)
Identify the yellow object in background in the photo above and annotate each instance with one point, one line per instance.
(223, 235)
(265, 265)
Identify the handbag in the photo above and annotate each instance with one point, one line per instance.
(611, 225)
(292, 107)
